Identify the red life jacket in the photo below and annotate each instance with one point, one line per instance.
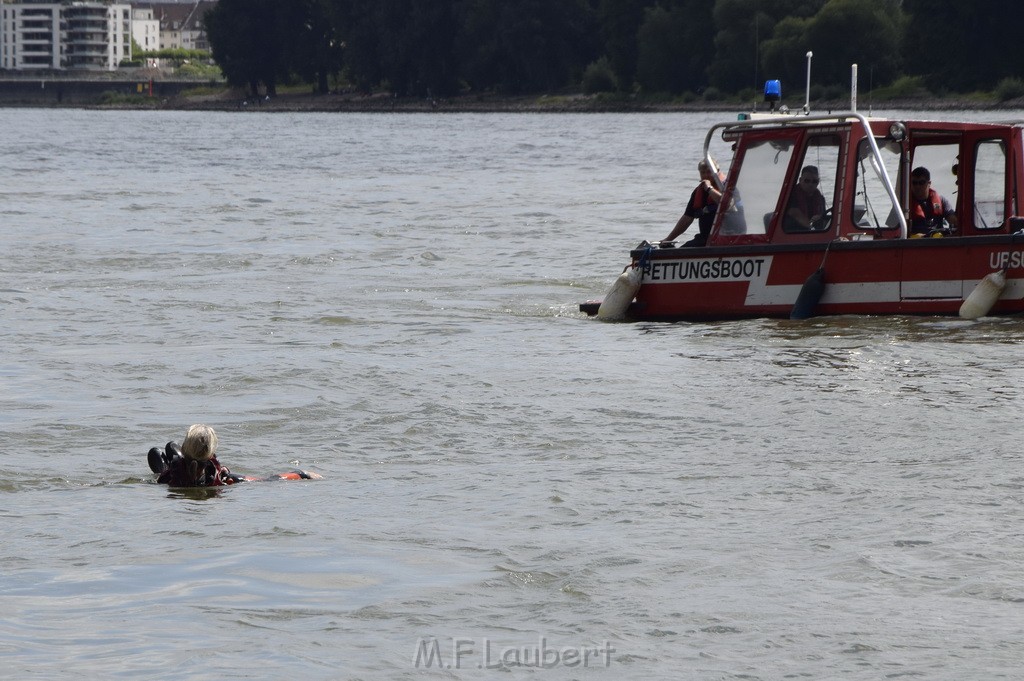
(922, 219)
(700, 198)
(703, 198)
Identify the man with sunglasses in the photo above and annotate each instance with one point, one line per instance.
(807, 203)
(928, 209)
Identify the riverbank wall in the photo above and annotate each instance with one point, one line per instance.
(83, 92)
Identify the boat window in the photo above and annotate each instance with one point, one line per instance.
(939, 159)
(764, 175)
(989, 184)
(872, 207)
(812, 190)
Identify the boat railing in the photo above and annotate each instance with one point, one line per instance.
(783, 121)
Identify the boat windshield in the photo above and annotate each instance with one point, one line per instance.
(815, 179)
(765, 172)
(872, 207)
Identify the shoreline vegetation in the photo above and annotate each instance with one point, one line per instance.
(215, 97)
(560, 103)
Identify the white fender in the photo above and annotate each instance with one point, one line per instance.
(621, 294)
(984, 296)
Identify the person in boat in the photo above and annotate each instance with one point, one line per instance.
(702, 206)
(929, 211)
(806, 204)
(195, 464)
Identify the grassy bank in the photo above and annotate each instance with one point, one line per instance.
(212, 97)
(232, 100)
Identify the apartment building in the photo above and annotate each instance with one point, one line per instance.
(181, 23)
(145, 29)
(76, 35)
(94, 35)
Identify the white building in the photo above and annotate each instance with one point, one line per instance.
(145, 29)
(93, 35)
(181, 23)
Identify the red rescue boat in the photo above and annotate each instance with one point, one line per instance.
(858, 257)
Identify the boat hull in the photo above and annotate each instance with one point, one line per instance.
(863, 277)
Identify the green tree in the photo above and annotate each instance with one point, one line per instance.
(316, 50)
(357, 25)
(421, 47)
(433, 62)
(839, 33)
(864, 32)
(525, 45)
(620, 22)
(784, 55)
(408, 44)
(248, 39)
(742, 28)
(674, 47)
(963, 46)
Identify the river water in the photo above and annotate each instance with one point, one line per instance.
(511, 490)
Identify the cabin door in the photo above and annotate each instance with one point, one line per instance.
(987, 199)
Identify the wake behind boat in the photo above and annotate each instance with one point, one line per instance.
(861, 255)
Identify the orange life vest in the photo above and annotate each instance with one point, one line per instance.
(922, 219)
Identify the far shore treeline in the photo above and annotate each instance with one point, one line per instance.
(676, 48)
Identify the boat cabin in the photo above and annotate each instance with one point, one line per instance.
(862, 169)
(818, 215)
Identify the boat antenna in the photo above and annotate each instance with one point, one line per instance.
(871, 88)
(757, 49)
(807, 100)
(853, 88)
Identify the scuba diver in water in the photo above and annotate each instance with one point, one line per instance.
(195, 464)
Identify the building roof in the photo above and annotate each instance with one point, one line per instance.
(179, 16)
